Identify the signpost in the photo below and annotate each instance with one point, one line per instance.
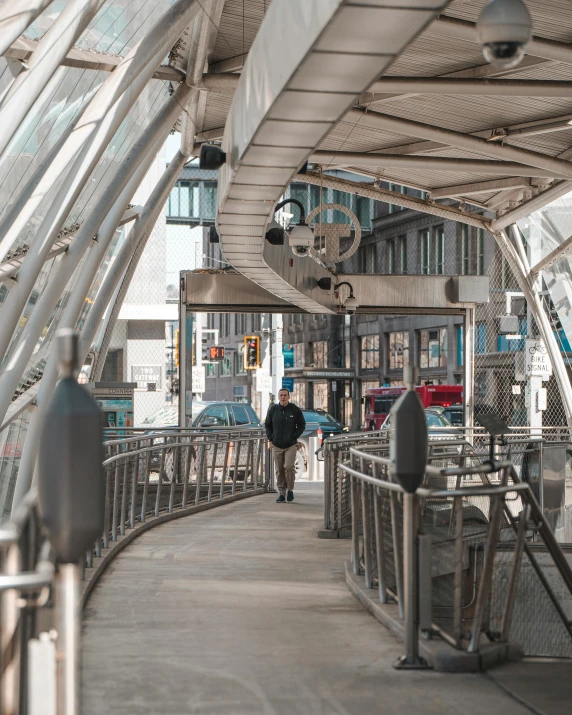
(288, 354)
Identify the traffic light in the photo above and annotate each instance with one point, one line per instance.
(177, 348)
(251, 352)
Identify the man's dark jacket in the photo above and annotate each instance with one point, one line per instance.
(284, 424)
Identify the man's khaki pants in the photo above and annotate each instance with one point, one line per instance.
(285, 460)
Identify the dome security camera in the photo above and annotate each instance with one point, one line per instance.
(503, 29)
(351, 304)
(301, 240)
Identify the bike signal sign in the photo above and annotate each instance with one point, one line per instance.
(537, 362)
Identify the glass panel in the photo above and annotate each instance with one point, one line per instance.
(240, 415)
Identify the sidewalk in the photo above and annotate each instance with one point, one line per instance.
(241, 611)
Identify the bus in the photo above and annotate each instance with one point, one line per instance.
(379, 400)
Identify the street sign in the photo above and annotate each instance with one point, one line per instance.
(288, 354)
(537, 362)
(198, 378)
(288, 383)
(263, 382)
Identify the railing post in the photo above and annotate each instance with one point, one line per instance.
(379, 540)
(366, 528)
(487, 573)
(149, 456)
(224, 468)
(213, 468)
(458, 592)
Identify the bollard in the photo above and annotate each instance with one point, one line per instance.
(71, 497)
(408, 453)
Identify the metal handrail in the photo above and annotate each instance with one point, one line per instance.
(372, 487)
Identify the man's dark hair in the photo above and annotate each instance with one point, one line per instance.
(285, 389)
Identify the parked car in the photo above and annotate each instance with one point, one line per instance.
(436, 422)
(454, 413)
(208, 414)
(330, 426)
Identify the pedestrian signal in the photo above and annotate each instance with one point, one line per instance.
(251, 352)
(216, 352)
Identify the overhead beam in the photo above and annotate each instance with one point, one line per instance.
(429, 163)
(473, 87)
(537, 47)
(534, 204)
(481, 187)
(391, 197)
(494, 134)
(22, 49)
(553, 256)
(407, 127)
(232, 64)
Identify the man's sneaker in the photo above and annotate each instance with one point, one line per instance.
(282, 497)
(290, 496)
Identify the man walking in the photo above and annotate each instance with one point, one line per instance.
(284, 424)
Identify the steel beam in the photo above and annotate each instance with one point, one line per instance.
(132, 246)
(16, 16)
(527, 207)
(23, 49)
(472, 87)
(10, 268)
(553, 256)
(537, 47)
(423, 163)
(429, 132)
(111, 204)
(391, 197)
(481, 187)
(51, 50)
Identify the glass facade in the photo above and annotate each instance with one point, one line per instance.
(319, 354)
(433, 348)
(398, 350)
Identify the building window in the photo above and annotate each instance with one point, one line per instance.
(210, 369)
(299, 357)
(481, 338)
(208, 200)
(256, 322)
(433, 348)
(481, 252)
(425, 251)
(224, 325)
(345, 199)
(439, 237)
(460, 346)
(369, 352)
(319, 354)
(363, 212)
(210, 320)
(402, 245)
(299, 394)
(299, 192)
(396, 188)
(239, 361)
(320, 396)
(240, 323)
(465, 251)
(398, 350)
(391, 256)
(225, 367)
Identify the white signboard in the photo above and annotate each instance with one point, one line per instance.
(147, 377)
(537, 362)
(198, 378)
(263, 382)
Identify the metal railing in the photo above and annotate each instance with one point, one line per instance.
(524, 448)
(462, 515)
(145, 476)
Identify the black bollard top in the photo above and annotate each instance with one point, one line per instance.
(408, 441)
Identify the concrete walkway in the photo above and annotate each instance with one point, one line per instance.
(242, 610)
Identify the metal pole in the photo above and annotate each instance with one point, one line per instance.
(68, 641)
(411, 659)
(469, 372)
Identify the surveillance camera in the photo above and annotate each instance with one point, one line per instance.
(301, 240)
(503, 29)
(301, 251)
(351, 305)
